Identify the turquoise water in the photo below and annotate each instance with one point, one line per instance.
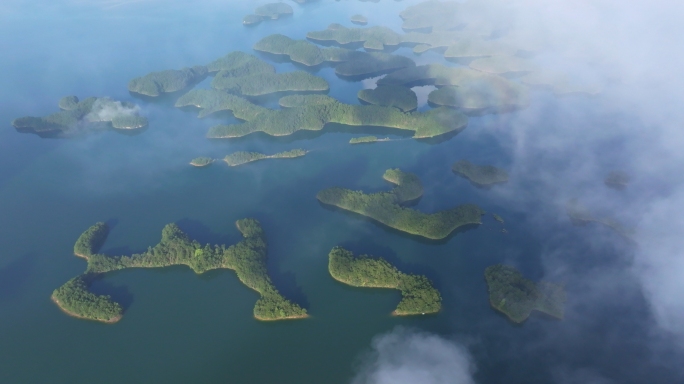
(179, 327)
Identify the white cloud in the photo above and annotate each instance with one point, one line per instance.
(405, 356)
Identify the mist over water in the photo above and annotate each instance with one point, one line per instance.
(624, 320)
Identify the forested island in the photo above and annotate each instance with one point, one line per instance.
(303, 115)
(267, 83)
(467, 90)
(348, 63)
(272, 11)
(172, 80)
(359, 19)
(390, 96)
(237, 63)
(239, 158)
(516, 296)
(480, 175)
(418, 296)
(201, 161)
(581, 215)
(386, 207)
(247, 258)
(78, 117)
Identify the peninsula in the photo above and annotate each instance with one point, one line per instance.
(239, 158)
(418, 295)
(516, 296)
(247, 258)
(313, 116)
(386, 207)
(156, 83)
(78, 117)
(483, 176)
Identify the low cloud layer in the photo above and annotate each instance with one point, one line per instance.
(405, 356)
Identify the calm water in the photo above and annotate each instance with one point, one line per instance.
(180, 327)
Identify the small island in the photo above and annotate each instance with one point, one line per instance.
(418, 295)
(617, 180)
(387, 207)
(267, 83)
(315, 115)
(156, 83)
(201, 161)
(498, 218)
(239, 158)
(78, 117)
(516, 296)
(247, 258)
(272, 11)
(359, 19)
(366, 139)
(390, 96)
(482, 176)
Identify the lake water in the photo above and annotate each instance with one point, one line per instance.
(179, 327)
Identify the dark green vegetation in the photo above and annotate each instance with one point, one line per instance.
(517, 297)
(418, 296)
(467, 90)
(293, 101)
(78, 117)
(359, 19)
(90, 241)
(266, 83)
(349, 63)
(581, 215)
(271, 11)
(155, 83)
(239, 158)
(201, 161)
(434, 74)
(247, 258)
(365, 139)
(480, 175)
(75, 299)
(617, 180)
(478, 96)
(386, 207)
(390, 96)
(238, 63)
(313, 116)
(211, 101)
(373, 36)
